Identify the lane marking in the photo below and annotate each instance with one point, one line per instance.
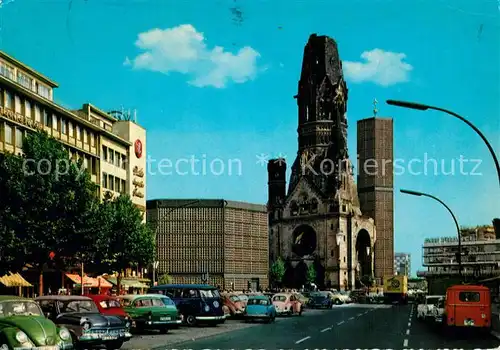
(360, 315)
(326, 329)
(405, 343)
(407, 332)
(409, 324)
(366, 312)
(301, 340)
(351, 318)
(338, 324)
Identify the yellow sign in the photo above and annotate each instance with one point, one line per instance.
(10, 114)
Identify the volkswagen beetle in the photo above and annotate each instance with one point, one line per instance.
(23, 326)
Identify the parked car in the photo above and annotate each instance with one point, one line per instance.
(337, 297)
(24, 326)
(287, 304)
(318, 300)
(111, 306)
(260, 307)
(232, 305)
(438, 311)
(243, 298)
(346, 297)
(302, 298)
(197, 303)
(87, 326)
(151, 311)
(424, 310)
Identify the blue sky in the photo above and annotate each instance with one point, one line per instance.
(210, 84)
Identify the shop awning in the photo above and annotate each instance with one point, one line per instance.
(129, 283)
(14, 280)
(89, 282)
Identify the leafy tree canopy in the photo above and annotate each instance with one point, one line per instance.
(46, 203)
(278, 270)
(165, 279)
(311, 274)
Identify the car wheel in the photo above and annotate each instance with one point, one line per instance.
(4, 347)
(113, 345)
(190, 320)
(337, 302)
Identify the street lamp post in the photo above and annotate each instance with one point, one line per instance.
(422, 107)
(459, 255)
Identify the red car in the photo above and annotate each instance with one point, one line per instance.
(110, 306)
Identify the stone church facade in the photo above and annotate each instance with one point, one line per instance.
(317, 220)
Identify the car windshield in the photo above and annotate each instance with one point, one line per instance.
(432, 301)
(234, 298)
(258, 302)
(209, 293)
(19, 308)
(243, 297)
(279, 298)
(109, 304)
(167, 301)
(77, 306)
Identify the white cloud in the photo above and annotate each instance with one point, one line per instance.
(380, 67)
(183, 49)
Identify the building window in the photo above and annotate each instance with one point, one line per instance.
(92, 140)
(85, 139)
(63, 126)
(86, 163)
(117, 184)
(24, 80)
(111, 156)
(6, 71)
(27, 108)
(78, 135)
(17, 104)
(123, 186)
(105, 153)
(8, 134)
(104, 180)
(43, 91)
(124, 161)
(111, 183)
(46, 119)
(70, 129)
(117, 159)
(54, 122)
(19, 138)
(8, 100)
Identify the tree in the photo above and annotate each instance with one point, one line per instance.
(311, 274)
(278, 271)
(47, 203)
(368, 280)
(165, 279)
(123, 241)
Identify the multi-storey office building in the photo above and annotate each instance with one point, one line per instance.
(480, 260)
(224, 243)
(113, 150)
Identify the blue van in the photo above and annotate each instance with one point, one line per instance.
(197, 303)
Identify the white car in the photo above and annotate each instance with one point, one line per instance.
(438, 311)
(425, 310)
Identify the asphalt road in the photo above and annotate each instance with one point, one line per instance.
(344, 327)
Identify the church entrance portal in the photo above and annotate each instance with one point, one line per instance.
(363, 255)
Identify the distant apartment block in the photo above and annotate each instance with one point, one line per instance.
(402, 264)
